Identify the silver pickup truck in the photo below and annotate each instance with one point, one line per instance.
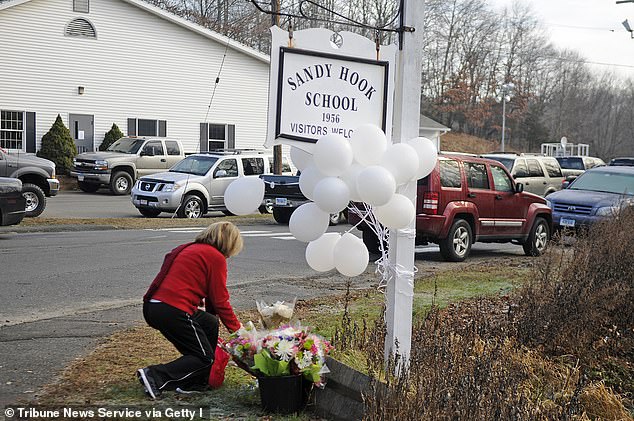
(125, 161)
(37, 175)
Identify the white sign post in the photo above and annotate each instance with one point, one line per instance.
(400, 289)
(318, 88)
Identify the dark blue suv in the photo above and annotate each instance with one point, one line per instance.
(596, 194)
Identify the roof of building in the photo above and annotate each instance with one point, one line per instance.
(428, 123)
(6, 4)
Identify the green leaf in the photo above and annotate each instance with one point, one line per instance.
(312, 373)
(269, 366)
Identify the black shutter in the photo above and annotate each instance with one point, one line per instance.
(132, 127)
(204, 137)
(231, 136)
(30, 132)
(162, 128)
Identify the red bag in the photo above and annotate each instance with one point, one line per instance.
(217, 373)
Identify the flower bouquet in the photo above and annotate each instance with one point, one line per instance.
(275, 314)
(288, 350)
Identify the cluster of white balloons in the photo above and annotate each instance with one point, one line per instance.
(363, 169)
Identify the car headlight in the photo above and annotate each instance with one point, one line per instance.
(171, 187)
(101, 165)
(74, 161)
(608, 211)
(549, 203)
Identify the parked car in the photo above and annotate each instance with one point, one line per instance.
(197, 184)
(540, 175)
(576, 165)
(38, 178)
(468, 199)
(12, 201)
(597, 194)
(124, 161)
(621, 162)
(284, 195)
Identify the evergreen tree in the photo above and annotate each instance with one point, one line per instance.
(58, 146)
(111, 136)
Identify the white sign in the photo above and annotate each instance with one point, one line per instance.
(319, 94)
(80, 135)
(317, 87)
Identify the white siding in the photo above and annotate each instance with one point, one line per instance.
(140, 66)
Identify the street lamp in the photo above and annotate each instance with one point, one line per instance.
(506, 93)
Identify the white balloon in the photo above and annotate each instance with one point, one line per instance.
(427, 155)
(308, 179)
(376, 185)
(308, 222)
(401, 160)
(350, 178)
(244, 195)
(300, 158)
(397, 213)
(331, 194)
(332, 154)
(320, 254)
(351, 256)
(368, 144)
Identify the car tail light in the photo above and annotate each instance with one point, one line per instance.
(430, 203)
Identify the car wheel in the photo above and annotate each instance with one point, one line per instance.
(337, 218)
(149, 213)
(192, 207)
(537, 241)
(87, 187)
(121, 183)
(35, 199)
(266, 208)
(282, 215)
(457, 245)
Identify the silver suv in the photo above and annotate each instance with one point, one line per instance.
(197, 184)
(539, 174)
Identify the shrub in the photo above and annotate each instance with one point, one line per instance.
(58, 146)
(581, 299)
(111, 136)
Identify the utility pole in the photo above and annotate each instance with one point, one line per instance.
(277, 149)
(406, 121)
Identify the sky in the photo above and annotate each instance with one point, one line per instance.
(591, 27)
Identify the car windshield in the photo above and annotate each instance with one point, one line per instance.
(507, 162)
(196, 165)
(126, 145)
(571, 163)
(603, 181)
(622, 162)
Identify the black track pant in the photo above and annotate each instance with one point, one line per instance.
(194, 336)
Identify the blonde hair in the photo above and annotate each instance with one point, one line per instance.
(224, 236)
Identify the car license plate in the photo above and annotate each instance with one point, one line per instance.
(565, 222)
(281, 201)
(143, 202)
(80, 177)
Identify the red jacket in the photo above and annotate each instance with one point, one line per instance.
(190, 273)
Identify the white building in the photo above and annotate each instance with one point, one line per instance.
(99, 62)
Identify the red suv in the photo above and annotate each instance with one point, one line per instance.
(467, 199)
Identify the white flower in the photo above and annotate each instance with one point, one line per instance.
(284, 350)
(305, 361)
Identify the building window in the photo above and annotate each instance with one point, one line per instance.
(82, 6)
(217, 136)
(11, 129)
(80, 27)
(145, 127)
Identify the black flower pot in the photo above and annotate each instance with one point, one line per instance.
(283, 394)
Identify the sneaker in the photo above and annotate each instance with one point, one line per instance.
(148, 383)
